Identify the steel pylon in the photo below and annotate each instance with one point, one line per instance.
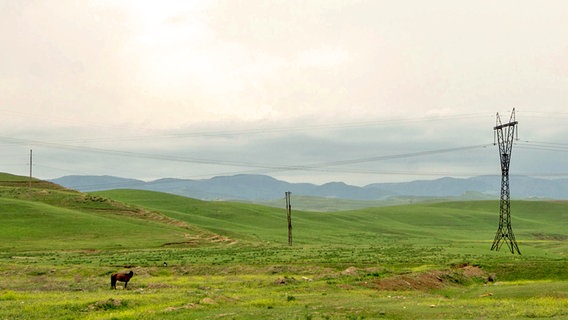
(505, 134)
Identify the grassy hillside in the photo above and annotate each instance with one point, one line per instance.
(58, 248)
(134, 218)
(473, 223)
(47, 216)
(10, 180)
(248, 222)
(37, 226)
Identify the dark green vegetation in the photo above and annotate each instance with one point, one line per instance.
(231, 261)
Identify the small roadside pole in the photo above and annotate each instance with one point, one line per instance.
(31, 164)
(289, 213)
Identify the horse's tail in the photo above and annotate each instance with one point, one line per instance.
(113, 281)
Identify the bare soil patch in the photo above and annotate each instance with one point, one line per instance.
(434, 279)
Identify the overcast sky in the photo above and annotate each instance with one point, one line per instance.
(305, 91)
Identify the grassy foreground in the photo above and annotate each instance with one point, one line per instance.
(276, 283)
(231, 261)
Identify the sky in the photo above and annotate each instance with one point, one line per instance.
(305, 91)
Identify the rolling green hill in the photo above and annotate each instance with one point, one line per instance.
(10, 180)
(49, 217)
(231, 260)
(135, 218)
(473, 223)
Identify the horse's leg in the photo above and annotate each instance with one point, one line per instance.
(125, 284)
(113, 282)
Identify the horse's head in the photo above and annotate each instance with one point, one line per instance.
(130, 274)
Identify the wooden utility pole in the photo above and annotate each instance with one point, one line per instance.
(289, 214)
(31, 158)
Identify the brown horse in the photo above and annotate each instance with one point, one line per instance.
(122, 277)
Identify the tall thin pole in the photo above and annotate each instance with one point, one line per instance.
(505, 136)
(289, 214)
(31, 159)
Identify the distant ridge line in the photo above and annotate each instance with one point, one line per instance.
(248, 187)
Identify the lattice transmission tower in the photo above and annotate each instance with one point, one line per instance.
(505, 135)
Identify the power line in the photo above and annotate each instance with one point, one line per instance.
(330, 166)
(278, 167)
(544, 146)
(403, 155)
(337, 166)
(547, 143)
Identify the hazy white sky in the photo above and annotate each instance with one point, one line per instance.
(192, 89)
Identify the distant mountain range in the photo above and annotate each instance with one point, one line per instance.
(259, 188)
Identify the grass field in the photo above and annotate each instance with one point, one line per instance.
(231, 261)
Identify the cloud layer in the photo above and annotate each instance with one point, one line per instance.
(279, 87)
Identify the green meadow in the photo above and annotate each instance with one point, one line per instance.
(229, 260)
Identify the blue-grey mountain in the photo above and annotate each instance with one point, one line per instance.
(262, 188)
